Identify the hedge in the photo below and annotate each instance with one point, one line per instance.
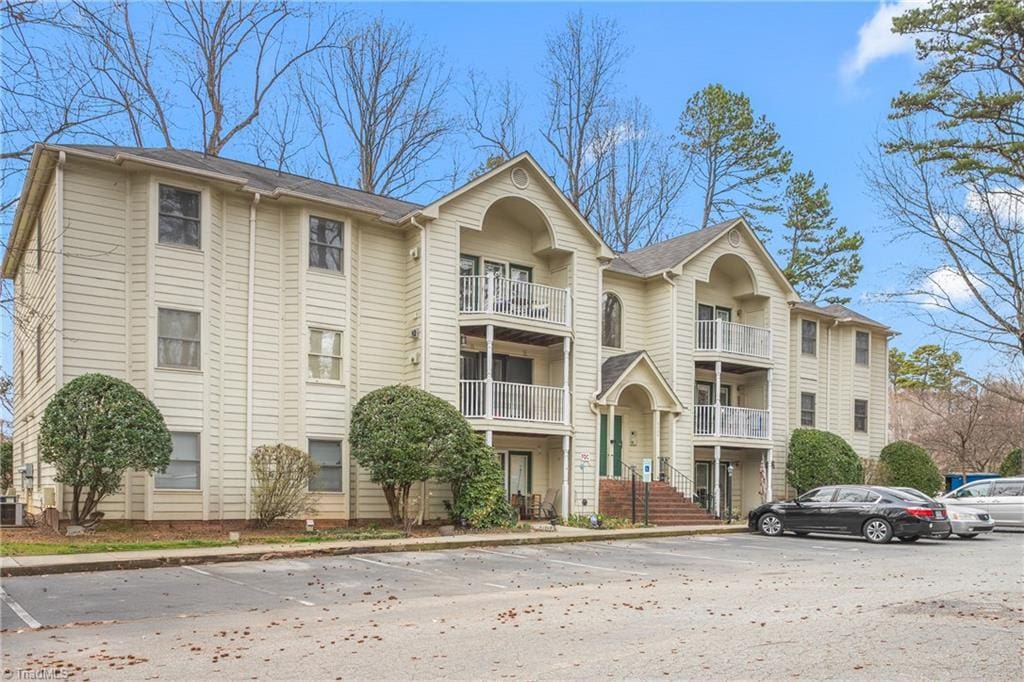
(910, 466)
(818, 458)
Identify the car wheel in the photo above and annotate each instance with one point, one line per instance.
(912, 538)
(770, 524)
(878, 531)
(967, 536)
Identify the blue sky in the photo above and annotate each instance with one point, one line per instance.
(791, 59)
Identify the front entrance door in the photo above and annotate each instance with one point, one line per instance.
(617, 449)
(702, 479)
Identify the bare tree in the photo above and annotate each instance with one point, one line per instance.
(641, 182)
(494, 119)
(973, 227)
(581, 66)
(388, 92)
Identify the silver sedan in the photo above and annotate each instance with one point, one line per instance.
(968, 522)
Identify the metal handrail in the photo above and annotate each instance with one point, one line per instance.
(681, 483)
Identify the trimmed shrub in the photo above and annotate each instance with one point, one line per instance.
(6, 465)
(909, 465)
(478, 489)
(819, 458)
(280, 483)
(1012, 465)
(399, 434)
(94, 430)
(875, 471)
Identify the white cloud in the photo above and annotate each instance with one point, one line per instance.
(946, 285)
(1007, 205)
(877, 41)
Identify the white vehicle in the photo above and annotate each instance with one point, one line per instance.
(1001, 498)
(964, 522)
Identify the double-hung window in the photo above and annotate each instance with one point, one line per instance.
(183, 471)
(326, 244)
(324, 355)
(326, 453)
(862, 347)
(178, 339)
(807, 409)
(179, 216)
(860, 415)
(809, 337)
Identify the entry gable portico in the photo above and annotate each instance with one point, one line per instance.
(620, 372)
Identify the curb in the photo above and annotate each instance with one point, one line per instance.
(165, 562)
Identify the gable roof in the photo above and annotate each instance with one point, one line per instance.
(255, 178)
(615, 368)
(840, 313)
(665, 255)
(431, 209)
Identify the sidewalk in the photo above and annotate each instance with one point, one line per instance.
(109, 561)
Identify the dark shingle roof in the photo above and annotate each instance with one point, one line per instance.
(262, 179)
(838, 312)
(662, 256)
(613, 367)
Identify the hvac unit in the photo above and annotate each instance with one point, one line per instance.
(11, 511)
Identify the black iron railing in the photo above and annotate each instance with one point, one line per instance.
(684, 485)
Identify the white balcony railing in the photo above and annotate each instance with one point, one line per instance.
(525, 300)
(732, 422)
(511, 401)
(730, 337)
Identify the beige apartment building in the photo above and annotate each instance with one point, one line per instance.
(253, 307)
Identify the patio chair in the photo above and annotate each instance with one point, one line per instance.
(548, 510)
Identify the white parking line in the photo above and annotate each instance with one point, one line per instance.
(385, 565)
(500, 587)
(247, 586)
(21, 613)
(560, 561)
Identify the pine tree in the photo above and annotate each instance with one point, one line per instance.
(821, 258)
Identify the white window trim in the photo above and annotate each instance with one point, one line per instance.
(204, 212)
(867, 415)
(340, 440)
(855, 333)
(346, 242)
(622, 320)
(190, 491)
(156, 341)
(817, 337)
(340, 381)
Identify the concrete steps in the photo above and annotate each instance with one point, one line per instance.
(666, 506)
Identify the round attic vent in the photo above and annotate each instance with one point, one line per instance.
(734, 237)
(520, 178)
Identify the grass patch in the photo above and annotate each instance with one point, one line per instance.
(87, 545)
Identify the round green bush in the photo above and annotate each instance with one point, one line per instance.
(94, 429)
(1012, 465)
(819, 458)
(910, 466)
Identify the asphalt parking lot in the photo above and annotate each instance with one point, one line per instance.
(722, 607)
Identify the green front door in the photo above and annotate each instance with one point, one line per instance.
(617, 451)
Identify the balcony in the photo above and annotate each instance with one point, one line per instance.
(513, 402)
(732, 422)
(488, 294)
(730, 337)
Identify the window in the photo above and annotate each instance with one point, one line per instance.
(179, 216)
(39, 352)
(807, 401)
(326, 453)
(857, 496)
(324, 355)
(326, 243)
(808, 337)
(860, 415)
(819, 495)
(1007, 489)
(183, 471)
(863, 341)
(976, 490)
(178, 338)
(39, 244)
(611, 321)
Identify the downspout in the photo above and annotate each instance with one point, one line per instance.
(58, 303)
(828, 376)
(667, 276)
(250, 330)
(423, 341)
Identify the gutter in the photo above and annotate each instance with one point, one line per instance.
(250, 329)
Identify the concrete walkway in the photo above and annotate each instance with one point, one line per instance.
(109, 561)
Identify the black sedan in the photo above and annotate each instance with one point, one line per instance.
(877, 513)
